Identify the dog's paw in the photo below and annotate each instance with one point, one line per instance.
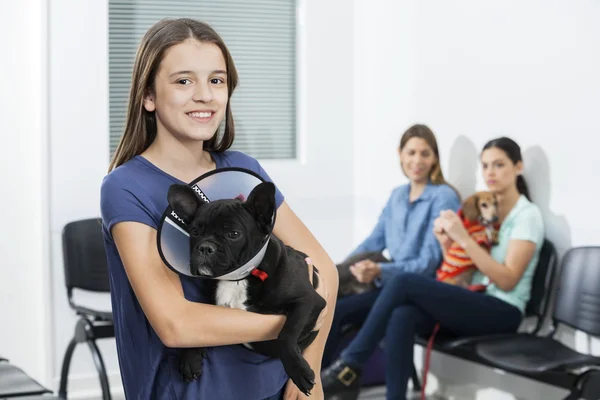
(298, 370)
(190, 363)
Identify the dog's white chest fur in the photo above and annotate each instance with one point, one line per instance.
(232, 294)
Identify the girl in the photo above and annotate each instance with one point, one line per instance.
(182, 82)
(412, 304)
(404, 228)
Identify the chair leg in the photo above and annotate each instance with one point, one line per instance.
(415, 379)
(578, 389)
(64, 373)
(101, 369)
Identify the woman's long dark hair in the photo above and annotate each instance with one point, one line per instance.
(513, 151)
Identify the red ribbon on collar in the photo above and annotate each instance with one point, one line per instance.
(262, 275)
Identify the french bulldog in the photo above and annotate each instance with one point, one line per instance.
(224, 235)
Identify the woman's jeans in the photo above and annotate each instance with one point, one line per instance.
(410, 304)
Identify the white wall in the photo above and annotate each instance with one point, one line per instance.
(473, 71)
(24, 241)
(384, 83)
(79, 129)
(319, 187)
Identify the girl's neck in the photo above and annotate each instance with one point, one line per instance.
(506, 202)
(416, 190)
(185, 161)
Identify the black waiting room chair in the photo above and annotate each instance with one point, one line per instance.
(577, 306)
(85, 268)
(15, 383)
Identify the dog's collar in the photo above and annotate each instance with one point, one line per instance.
(246, 269)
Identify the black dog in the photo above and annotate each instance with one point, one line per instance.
(225, 234)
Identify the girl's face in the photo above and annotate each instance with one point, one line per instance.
(499, 172)
(417, 159)
(190, 91)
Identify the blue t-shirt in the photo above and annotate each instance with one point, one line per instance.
(405, 229)
(137, 191)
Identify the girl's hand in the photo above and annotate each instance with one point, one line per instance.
(322, 290)
(293, 393)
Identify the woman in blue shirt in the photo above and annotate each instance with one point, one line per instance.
(404, 228)
(183, 79)
(411, 304)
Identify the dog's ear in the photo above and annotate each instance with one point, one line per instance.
(470, 208)
(184, 201)
(261, 204)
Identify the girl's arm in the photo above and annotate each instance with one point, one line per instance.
(177, 321)
(295, 234)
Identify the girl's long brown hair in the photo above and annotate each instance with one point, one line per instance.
(140, 125)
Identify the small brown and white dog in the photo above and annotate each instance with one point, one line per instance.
(480, 218)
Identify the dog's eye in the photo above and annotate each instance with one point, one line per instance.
(194, 231)
(234, 234)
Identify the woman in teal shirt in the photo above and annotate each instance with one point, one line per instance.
(412, 304)
(404, 228)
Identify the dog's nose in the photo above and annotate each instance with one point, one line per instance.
(206, 248)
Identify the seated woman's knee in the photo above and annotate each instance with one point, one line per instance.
(403, 281)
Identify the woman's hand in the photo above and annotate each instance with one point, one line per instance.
(366, 271)
(322, 290)
(452, 225)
